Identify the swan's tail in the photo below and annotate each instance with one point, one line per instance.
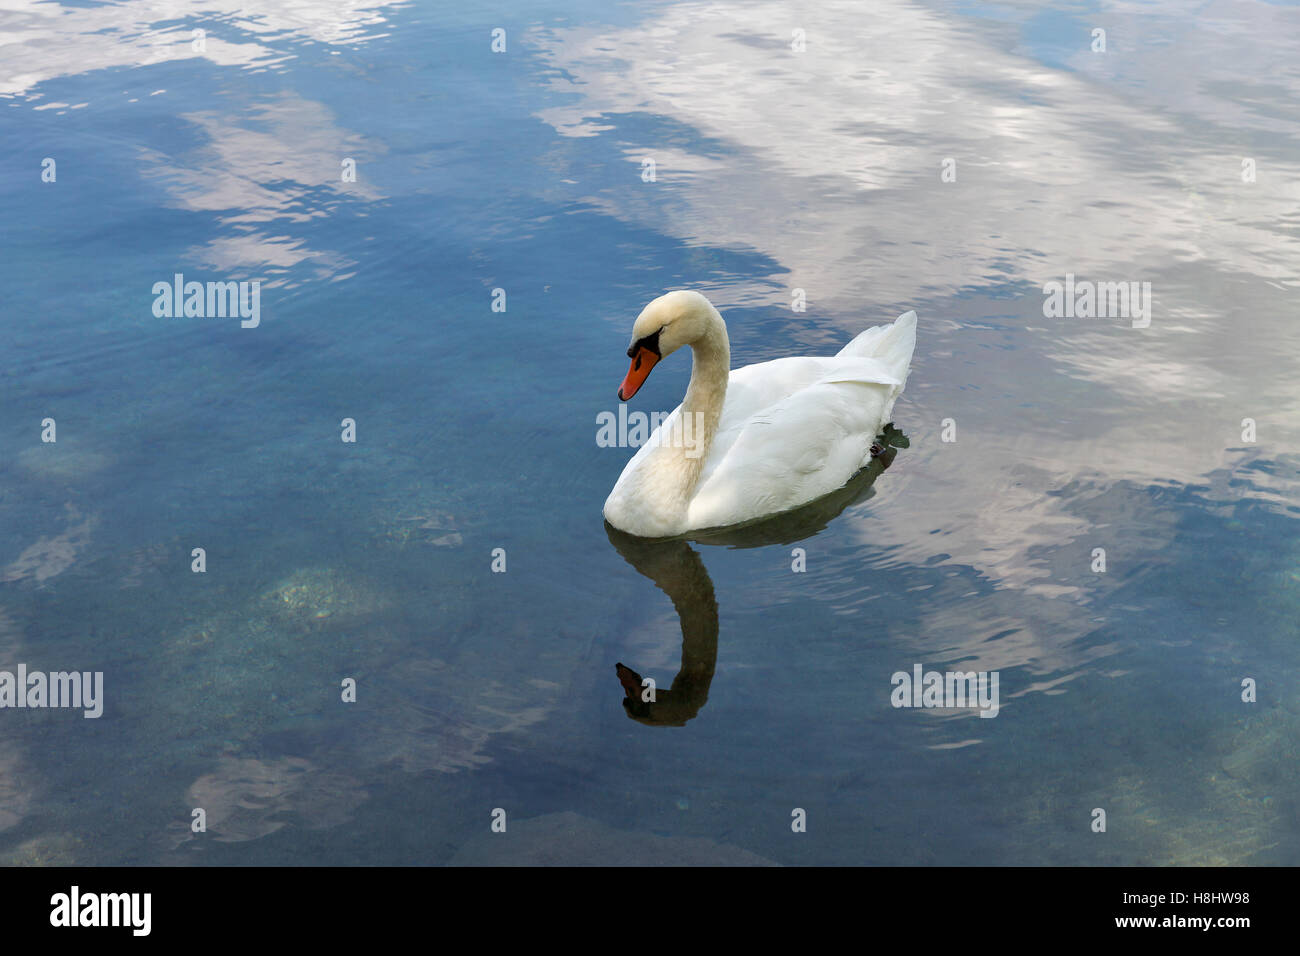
(892, 344)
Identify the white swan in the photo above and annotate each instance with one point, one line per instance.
(757, 441)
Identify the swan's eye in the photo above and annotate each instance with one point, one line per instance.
(650, 342)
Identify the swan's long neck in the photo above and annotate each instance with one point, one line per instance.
(702, 406)
(707, 392)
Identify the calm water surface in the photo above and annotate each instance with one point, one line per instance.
(476, 430)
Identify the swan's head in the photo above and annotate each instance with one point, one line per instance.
(665, 325)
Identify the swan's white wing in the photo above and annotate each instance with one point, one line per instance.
(800, 428)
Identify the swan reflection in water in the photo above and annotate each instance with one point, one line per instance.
(678, 570)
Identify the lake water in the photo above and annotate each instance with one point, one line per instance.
(948, 158)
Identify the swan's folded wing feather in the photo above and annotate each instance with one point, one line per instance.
(867, 371)
(754, 388)
(800, 447)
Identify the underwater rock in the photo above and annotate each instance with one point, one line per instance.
(62, 461)
(314, 594)
(1260, 751)
(48, 849)
(427, 525)
(246, 799)
(51, 555)
(148, 562)
(15, 794)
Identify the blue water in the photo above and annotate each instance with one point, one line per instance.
(476, 430)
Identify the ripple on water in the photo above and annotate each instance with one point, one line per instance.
(569, 839)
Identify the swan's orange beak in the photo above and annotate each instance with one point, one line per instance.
(642, 362)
